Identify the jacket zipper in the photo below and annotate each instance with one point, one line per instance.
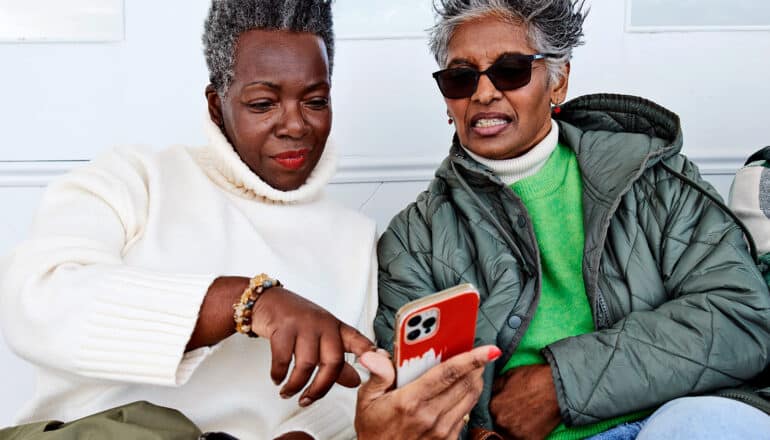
(603, 319)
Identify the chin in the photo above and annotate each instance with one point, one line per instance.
(290, 182)
(287, 186)
(498, 149)
(492, 152)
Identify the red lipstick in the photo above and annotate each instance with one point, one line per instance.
(292, 160)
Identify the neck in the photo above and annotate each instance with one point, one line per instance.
(528, 164)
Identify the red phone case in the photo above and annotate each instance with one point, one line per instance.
(433, 329)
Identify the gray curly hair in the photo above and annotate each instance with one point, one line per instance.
(228, 19)
(553, 26)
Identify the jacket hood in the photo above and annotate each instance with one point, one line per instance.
(605, 115)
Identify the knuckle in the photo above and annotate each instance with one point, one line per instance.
(280, 364)
(496, 418)
(304, 366)
(425, 420)
(279, 368)
(441, 430)
(336, 360)
(408, 407)
(468, 385)
(450, 374)
(477, 386)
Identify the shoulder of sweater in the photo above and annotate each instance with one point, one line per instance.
(139, 158)
(120, 172)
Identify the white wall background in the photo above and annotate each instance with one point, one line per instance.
(67, 102)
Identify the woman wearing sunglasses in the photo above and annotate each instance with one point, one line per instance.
(611, 275)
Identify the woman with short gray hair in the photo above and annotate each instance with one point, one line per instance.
(153, 275)
(611, 275)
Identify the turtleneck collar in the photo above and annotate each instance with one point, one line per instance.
(511, 171)
(223, 165)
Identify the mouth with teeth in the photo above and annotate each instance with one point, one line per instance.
(483, 123)
(490, 124)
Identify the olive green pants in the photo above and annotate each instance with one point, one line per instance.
(138, 420)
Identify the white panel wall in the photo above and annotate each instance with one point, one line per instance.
(67, 102)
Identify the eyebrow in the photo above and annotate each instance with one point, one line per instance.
(274, 86)
(460, 61)
(263, 83)
(319, 85)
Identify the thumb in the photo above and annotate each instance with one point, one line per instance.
(382, 375)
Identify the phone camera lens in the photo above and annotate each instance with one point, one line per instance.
(428, 323)
(414, 321)
(412, 335)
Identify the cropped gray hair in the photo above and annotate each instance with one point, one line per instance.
(228, 19)
(553, 26)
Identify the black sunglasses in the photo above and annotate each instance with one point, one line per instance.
(509, 72)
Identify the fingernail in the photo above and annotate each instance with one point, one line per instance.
(494, 353)
(285, 396)
(305, 401)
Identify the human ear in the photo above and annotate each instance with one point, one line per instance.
(559, 87)
(214, 106)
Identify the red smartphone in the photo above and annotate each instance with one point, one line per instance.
(433, 329)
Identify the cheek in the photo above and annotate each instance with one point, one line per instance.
(529, 104)
(456, 108)
(321, 123)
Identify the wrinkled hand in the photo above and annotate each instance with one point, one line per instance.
(298, 327)
(431, 407)
(524, 404)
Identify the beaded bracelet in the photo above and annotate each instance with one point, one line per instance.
(249, 297)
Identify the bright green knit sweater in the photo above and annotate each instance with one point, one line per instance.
(553, 198)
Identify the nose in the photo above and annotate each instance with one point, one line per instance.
(292, 124)
(486, 92)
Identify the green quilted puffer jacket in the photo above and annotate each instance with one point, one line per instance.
(679, 305)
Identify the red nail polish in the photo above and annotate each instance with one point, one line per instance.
(494, 353)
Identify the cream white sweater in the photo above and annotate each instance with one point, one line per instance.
(105, 294)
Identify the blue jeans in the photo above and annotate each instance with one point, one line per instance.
(696, 418)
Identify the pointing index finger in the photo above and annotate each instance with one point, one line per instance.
(354, 342)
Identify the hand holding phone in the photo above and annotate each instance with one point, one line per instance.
(434, 329)
(432, 406)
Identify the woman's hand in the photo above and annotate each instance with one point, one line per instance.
(431, 407)
(295, 327)
(314, 337)
(524, 404)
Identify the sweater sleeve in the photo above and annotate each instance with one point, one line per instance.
(333, 416)
(68, 301)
